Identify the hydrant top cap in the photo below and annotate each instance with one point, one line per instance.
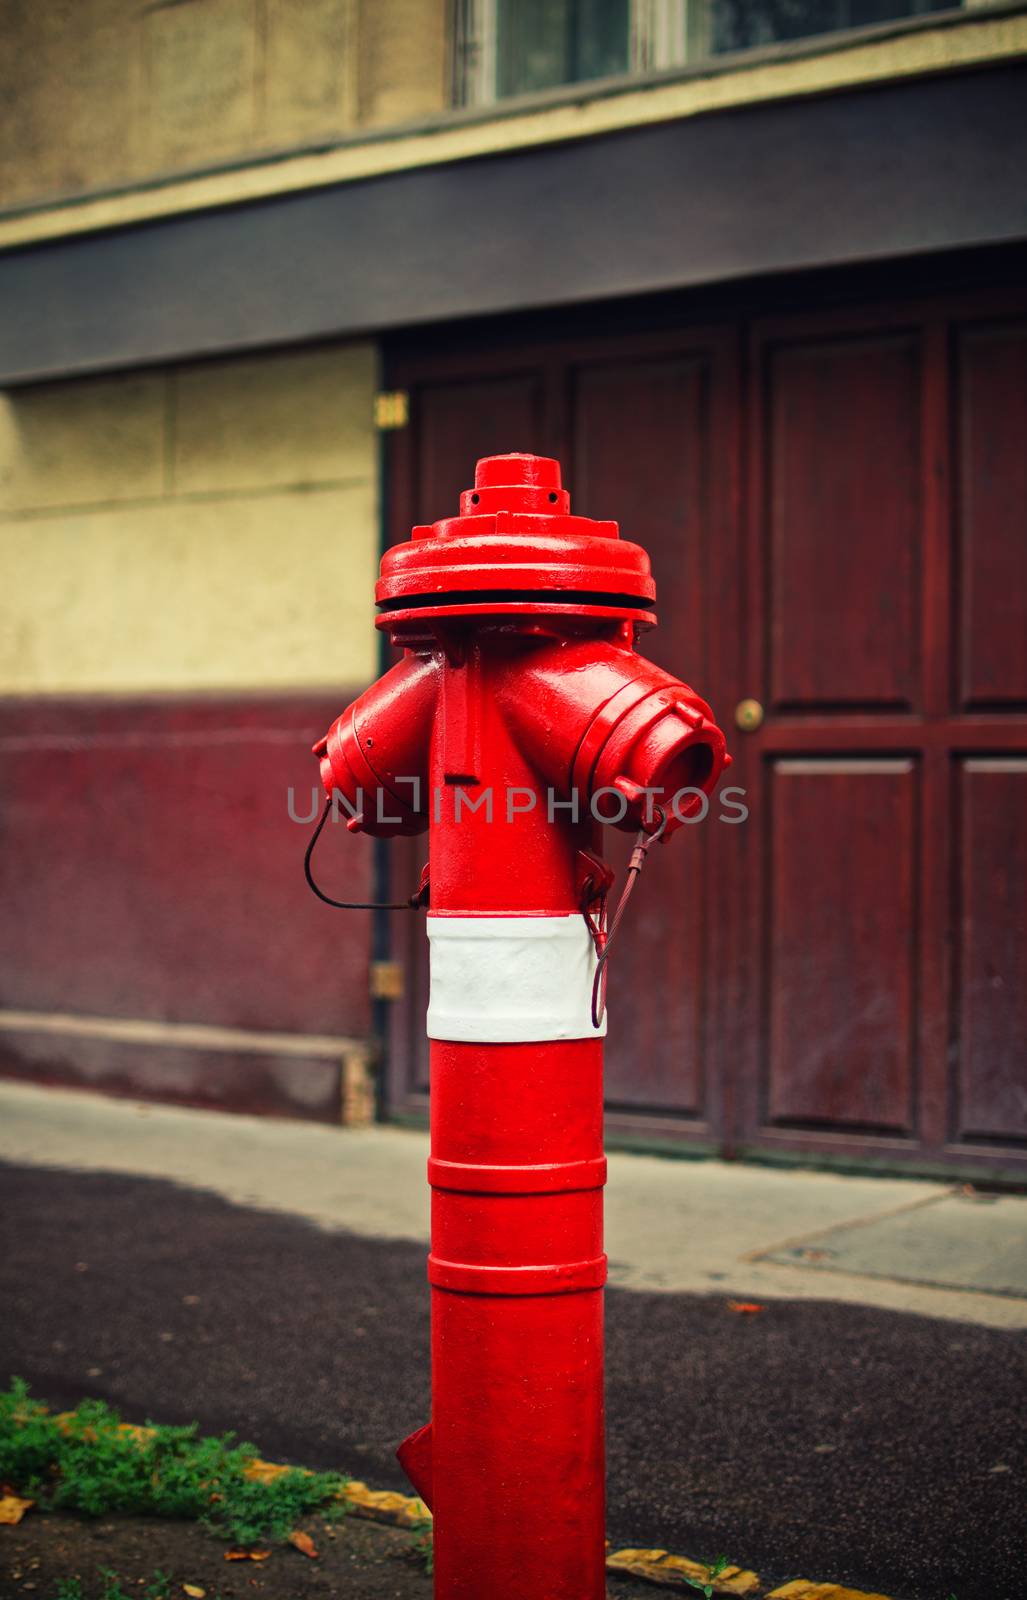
(520, 482)
(542, 472)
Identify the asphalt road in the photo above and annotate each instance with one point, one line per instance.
(832, 1442)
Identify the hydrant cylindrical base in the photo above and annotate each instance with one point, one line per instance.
(517, 1269)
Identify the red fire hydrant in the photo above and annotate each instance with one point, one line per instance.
(519, 721)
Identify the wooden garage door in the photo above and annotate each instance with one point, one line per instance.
(834, 507)
(887, 639)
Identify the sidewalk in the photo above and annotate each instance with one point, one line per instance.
(697, 1227)
(269, 1277)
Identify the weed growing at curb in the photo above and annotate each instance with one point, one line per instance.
(705, 1585)
(425, 1546)
(88, 1461)
(158, 1588)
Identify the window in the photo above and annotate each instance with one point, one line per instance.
(512, 47)
(540, 44)
(743, 24)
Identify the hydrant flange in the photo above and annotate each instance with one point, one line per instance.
(514, 551)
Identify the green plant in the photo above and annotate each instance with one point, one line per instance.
(71, 1588)
(425, 1546)
(713, 1572)
(158, 1588)
(86, 1461)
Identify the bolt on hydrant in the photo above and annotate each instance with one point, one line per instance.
(519, 722)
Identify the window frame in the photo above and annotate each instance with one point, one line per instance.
(665, 37)
(662, 34)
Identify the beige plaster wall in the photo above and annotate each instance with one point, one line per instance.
(100, 93)
(206, 527)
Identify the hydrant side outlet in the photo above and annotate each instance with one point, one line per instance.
(520, 720)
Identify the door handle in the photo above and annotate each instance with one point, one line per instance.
(748, 715)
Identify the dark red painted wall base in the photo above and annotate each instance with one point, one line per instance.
(149, 869)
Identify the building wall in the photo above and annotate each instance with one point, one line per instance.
(187, 553)
(103, 93)
(186, 566)
(113, 112)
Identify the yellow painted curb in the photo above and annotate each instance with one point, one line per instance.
(378, 1505)
(383, 1505)
(802, 1589)
(655, 1566)
(674, 1572)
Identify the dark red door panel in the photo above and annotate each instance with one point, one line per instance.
(656, 415)
(842, 523)
(990, 999)
(991, 473)
(459, 421)
(839, 944)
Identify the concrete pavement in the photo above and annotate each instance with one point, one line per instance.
(701, 1227)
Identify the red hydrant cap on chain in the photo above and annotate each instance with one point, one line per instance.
(514, 550)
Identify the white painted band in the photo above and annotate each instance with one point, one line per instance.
(510, 980)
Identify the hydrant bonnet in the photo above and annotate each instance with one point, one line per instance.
(515, 550)
(594, 718)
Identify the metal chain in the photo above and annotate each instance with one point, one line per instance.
(602, 939)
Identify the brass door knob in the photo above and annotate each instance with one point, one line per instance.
(748, 715)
